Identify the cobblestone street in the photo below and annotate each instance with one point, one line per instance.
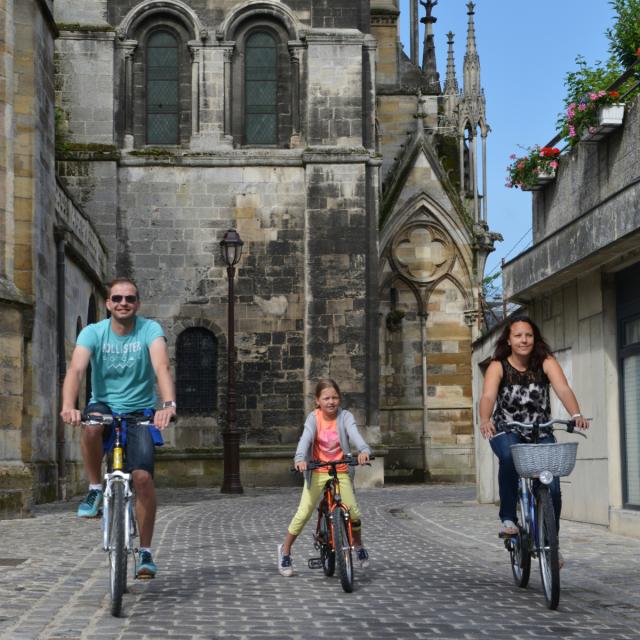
(438, 570)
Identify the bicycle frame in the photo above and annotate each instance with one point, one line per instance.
(330, 503)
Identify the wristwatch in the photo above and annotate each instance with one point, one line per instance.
(168, 404)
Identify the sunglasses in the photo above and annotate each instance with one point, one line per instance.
(129, 299)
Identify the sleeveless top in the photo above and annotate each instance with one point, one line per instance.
(523, 396)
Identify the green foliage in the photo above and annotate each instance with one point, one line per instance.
(523, 172)
(624, 36)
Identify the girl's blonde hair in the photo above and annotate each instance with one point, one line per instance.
(327, 383)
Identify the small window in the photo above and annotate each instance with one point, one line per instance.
(196, 370)
(261, 89)
(162, 93)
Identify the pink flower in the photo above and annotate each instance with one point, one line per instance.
(582, 106)
(553, 164)
(593, 96)
(572, 131)
(520, 165)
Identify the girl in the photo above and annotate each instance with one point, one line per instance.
(517, 385)
(326, 436)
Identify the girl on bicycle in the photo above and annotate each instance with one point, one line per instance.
(326, 436)
(516, 388)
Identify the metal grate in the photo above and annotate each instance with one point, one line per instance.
(162, 89)
(261, 89)
(196, 370)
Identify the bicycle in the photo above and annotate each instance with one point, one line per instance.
(537, 464)
(119, 527)
(334, 536)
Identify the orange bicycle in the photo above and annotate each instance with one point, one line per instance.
(334, 536)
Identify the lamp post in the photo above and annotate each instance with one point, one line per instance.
(231, 246)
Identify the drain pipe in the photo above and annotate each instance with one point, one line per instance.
(62, 363)
(425, 398)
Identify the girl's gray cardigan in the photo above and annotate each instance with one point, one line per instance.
(347, 432)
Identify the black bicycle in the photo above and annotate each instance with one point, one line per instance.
(334, 536)
(119, 526)
(537, 464)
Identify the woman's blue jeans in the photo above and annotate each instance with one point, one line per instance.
(508, 476)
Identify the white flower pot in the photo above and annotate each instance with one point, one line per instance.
(541, 180)
(610, 117)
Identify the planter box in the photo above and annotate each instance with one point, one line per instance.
(609, 118)
(542, 180)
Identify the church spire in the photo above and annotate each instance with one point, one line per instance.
(471, 58)
(450, 82)
(429, 68)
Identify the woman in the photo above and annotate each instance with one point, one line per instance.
(326, 436)
(516, 388)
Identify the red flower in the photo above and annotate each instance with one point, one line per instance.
(614, 94)
(638, 51)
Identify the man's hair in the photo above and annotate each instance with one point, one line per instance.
(116, 281)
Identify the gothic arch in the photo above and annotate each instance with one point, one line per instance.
(423, 207)
(177, 9)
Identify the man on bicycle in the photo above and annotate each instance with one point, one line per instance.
(127, 354)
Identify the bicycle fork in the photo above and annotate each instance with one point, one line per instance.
(110, 479)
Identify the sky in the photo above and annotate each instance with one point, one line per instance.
(526, 48)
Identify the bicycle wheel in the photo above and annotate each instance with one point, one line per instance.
(117, 549)
(342, 546)
(520, 555)
(327, 554)
(548, 548)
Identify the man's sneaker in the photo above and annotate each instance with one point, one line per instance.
(146, 566)
(285, 564)
(90, 506)
(363, 557)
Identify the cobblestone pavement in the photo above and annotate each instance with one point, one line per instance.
(438, 571)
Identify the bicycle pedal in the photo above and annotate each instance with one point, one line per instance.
(144, 576)
(506, 536)
(314, 563)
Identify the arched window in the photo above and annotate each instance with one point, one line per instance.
(261, 89)
(196, 370)
(162, 94)
(264, 93)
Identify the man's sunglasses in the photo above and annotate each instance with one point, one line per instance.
(129, 299)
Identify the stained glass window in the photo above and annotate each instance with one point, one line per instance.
(162, 96)
(261, 89)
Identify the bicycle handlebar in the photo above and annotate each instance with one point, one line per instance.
(522, 427)
(109, 419)
(318, 464)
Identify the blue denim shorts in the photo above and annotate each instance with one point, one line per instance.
(139, 443)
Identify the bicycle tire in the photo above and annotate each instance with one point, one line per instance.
(548, 548)
(327, 554)
(342, 546)
(117, 549)
(520, 555)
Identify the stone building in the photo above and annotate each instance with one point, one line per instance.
(354, 179)
(579, 281)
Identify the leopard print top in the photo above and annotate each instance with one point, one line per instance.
(522, 396)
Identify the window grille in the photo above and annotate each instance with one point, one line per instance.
(261, 89)
(196, 370)
(162, 95)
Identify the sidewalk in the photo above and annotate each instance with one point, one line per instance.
(438, 570)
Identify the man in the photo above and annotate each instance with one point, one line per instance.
(127, 353)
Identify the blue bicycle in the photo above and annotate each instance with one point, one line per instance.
(537, 464)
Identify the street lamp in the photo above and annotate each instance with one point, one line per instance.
(231, 246)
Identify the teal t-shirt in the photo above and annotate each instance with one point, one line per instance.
(122, 375)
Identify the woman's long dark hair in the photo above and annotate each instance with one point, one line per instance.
(541, 350)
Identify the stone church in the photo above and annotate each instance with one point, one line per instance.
(136, 132)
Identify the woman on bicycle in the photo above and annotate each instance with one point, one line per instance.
(326, 436)
(516, 388)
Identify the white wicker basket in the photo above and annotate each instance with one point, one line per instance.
(531, 459)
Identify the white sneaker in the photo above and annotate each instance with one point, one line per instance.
(285, 564)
